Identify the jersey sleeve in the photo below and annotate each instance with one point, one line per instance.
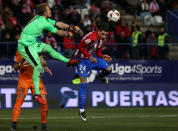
(17, 57)
(53, 22)
(50, 27)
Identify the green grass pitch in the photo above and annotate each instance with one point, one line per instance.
(99, 119)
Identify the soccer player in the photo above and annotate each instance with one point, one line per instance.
(90, 54)
(24, 84)
(25, 81)
(27, 41)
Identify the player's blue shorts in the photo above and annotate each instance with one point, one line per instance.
(86, 65)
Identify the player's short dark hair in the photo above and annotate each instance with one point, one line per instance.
(102, 26)
(42, 8)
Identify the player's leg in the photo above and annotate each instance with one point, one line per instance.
(82, 72)
(31, 56)
(44, 114)
(22, 91)
(42, 47)
(44, 107)
(105, 70)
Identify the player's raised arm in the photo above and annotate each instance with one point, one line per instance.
(73, 28)
(62, 25)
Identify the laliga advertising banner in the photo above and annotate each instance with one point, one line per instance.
(132, 84)
(100, 95)
(123, 71)
(144, 71)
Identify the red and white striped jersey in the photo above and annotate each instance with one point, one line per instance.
(89, 45)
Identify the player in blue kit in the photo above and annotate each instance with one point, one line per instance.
(90, 54)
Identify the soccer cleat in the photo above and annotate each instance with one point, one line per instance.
(39, 99)
(13, 128)
(73, 62)
(104, 79)
(83, 116)
(44, 128)
(76, 81)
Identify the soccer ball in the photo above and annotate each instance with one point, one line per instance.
(113, 15)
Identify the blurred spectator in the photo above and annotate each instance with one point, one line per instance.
(123, 27)
(12, 19)
(150, 31)
(143, 47)
(58, 6)
(5, 13)
(51, 3)
(155, 19)
(50, 39)
(137, 38)
(163, 48)
(110, 46)
(87, 29)
(15, 6)
(175, 4)
(16, 32)
(163, 7)
(153, 51)
(66, 16)
(154, 8)
(86, 21)
(69, 46)
(123, 47)
(144, 9)
(94, 26)
(7, 37)
(25, 14)
(2, 25)
(94, 10)
(133, 24)
(55, 14)
(75, 17)
(151, 39)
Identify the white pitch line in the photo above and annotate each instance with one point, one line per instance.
(95, 117)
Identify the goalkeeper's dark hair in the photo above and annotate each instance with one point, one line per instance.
(41, 8)
(103, 26)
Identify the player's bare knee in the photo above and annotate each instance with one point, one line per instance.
(83, 80)
(109, 69)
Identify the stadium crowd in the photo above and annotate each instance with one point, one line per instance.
(125, 39)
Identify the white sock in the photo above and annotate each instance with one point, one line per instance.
(82, 110)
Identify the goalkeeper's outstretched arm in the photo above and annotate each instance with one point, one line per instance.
(62, 25)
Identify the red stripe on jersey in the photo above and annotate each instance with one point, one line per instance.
(89, 45)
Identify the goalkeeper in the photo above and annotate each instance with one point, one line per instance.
(27, 44)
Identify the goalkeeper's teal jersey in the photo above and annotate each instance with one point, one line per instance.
(35, 28)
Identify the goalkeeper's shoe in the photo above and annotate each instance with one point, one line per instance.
(76, 81)
(73, 62)
(39, 99)
(103, 79)
(83, 116)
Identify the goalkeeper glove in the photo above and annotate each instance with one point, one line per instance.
(76, 29)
